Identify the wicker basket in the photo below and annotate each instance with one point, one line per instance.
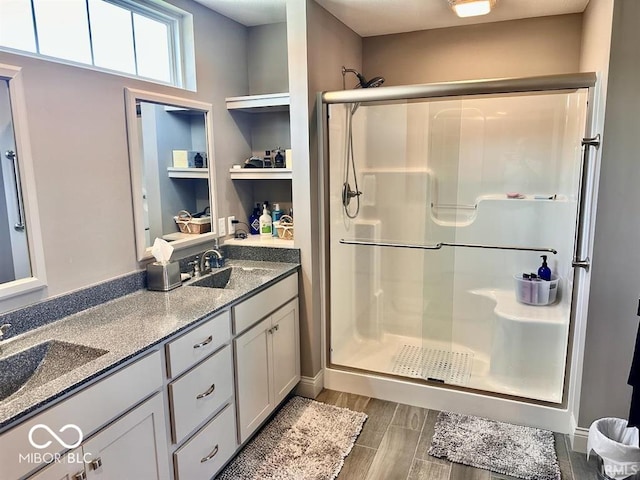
(285, 227)
(187, 224)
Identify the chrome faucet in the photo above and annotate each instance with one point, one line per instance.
(205, 261)
(3, 329)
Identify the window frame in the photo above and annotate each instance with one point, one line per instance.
(179, 25)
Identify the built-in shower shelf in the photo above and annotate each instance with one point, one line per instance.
(509, 308)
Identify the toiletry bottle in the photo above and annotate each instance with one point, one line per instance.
(254, 220)
(266, 205)
(544, 272)
(198, 160)
(275, 217)
(267, 159)
(279, 159)
(535, 289)
(265, 223)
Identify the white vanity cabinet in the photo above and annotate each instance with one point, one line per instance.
(267, 355)
(134, 446)
(100, 408)
(200, 391)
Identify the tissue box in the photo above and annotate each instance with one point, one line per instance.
(163, 278)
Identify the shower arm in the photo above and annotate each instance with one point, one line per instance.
(439, 245)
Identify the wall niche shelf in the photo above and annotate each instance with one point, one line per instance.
(270, 102)
(260, 173)
(175, 172)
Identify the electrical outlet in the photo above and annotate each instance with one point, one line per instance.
(222, 227)
(230, 226)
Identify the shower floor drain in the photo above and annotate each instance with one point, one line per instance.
(430, 363)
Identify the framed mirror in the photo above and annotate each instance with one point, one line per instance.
(172, 170)
(21, 256)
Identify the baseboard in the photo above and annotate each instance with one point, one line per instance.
(310, 387)
(579, 440)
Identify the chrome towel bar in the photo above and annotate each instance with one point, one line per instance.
(439, 245)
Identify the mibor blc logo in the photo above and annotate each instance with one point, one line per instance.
(41, 426)
(47, 457)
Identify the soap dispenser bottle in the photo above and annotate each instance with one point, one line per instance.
(254, 220)
(276, 213)
(544, 272)
(265, 223)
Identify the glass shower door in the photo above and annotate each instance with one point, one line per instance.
(382, 298)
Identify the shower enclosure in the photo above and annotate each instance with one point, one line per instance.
(461, 188)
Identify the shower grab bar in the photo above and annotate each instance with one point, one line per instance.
(585, 198)
(439, 245)
(11, 155)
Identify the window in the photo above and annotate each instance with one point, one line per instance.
(135, 37)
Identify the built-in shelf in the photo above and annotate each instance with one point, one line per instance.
(270, 102)
(175, 172)
(258, 241)
(260, 173)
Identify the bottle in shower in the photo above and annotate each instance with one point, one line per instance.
(544, 272)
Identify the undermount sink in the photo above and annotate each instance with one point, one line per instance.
(234, 277)
(40, 364)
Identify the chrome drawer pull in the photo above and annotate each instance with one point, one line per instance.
(206, 342)
(211, 455)
(207, 393)
(80, 476)
(96, 464)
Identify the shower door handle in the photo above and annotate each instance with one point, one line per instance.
(585, 200)
(11, 155)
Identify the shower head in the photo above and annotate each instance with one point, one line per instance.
(374, 82)
(364, 83)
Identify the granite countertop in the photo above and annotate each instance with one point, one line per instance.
(124, 327)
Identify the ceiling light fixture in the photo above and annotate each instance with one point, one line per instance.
(471, 8)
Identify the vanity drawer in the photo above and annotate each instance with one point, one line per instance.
(199, 393)
(262, 304)
(209, 449)
(197, 344)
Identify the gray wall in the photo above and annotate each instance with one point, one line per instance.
(533, 46)
(615, 283)
(77, 128)
(318, 46)
(267, 57)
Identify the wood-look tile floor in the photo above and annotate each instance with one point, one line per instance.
(394, 442)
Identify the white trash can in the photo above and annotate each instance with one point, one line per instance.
(618, 447)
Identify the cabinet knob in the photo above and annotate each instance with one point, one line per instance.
(96, 464)
(203, 343)
(213, 453)
(277, 327)
(80, 476)
(207, 393)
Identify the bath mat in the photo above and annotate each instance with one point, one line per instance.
(305, 440)
(521, 452)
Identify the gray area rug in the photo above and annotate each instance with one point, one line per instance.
(305, 440)
(521, 452)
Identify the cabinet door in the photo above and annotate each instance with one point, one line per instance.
(134, 446)
(286, 350)
(253, 364)
(67, 468)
